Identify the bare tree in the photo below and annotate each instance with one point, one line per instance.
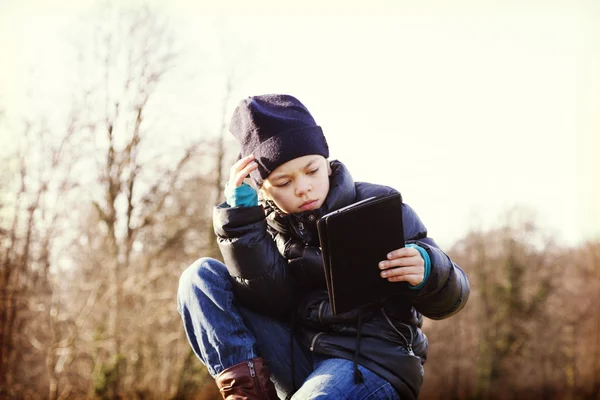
(43, 161)
(153, 215)
(135, 58)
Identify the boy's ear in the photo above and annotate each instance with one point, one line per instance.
(328, 168)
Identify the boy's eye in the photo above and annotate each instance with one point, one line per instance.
(314, 171)
(283, 184)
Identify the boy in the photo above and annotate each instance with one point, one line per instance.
(261, 323)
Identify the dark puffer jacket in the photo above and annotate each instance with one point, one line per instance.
(276, 262)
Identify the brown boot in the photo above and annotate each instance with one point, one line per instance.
(248, 380)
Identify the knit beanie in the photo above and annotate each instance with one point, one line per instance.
(276, 128)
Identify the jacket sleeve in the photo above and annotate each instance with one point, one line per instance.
(262, 280)
(447, 289)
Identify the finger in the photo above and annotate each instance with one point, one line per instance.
(237, 168)
(241, 175)
(416, 260)
(403, 252)
(396, 272)
(240, 164)
(411, 279)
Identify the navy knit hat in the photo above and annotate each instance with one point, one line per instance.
(276, 128)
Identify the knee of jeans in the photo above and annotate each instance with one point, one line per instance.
(205, 268)
(202, 271)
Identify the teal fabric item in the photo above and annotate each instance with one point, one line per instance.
(241, 196)
(427, 265)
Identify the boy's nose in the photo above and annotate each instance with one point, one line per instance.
(302, 188)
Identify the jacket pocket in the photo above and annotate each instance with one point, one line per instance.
(408, 339)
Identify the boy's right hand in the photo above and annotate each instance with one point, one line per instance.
(240, 170)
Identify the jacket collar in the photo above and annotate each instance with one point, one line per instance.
(342, 192)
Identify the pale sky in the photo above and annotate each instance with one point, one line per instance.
(466, 109)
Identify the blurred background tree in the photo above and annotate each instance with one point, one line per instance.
(530, 329)
(97, 226)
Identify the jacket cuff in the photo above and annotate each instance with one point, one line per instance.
(427, 261)
(241, 196)
(235, 222)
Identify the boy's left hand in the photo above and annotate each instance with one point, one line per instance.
(404, 265)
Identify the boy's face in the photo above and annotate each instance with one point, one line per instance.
(299, 185)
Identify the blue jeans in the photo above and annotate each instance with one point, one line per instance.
(222, 334)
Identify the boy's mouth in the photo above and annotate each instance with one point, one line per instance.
(307, 205)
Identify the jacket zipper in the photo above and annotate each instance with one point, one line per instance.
(255, 379)
(320, 313)
(314, 341)
(301, 232)
(408, 344)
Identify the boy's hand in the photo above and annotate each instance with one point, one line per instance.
(405, 264)
(241, 169)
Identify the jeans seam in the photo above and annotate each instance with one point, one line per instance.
(376, 391)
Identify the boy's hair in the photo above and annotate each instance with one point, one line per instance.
(276, 128)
